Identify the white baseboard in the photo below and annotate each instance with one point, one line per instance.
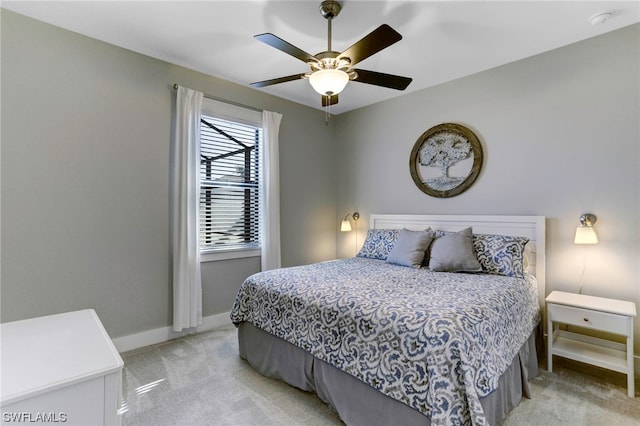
(158, 335)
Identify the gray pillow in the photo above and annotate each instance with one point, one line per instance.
(410, 248)
(453, 252)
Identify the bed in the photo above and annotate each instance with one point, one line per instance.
(414, 330)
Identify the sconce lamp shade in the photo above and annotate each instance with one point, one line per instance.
(585, 234)
(329, 82)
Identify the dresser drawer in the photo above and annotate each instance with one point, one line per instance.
(603, 321)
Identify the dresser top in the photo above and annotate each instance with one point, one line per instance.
(620, 307)
(45, 353)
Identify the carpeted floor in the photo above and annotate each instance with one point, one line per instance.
(201, 380)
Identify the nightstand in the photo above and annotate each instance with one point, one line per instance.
(596, 313)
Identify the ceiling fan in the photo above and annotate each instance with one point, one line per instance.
(330, 70)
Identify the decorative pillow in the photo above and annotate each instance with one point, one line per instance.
(453, 252)
(378, 243)
(410, 248)
(437, 233)
(501, 254)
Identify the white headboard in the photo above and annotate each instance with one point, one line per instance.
(531, 227)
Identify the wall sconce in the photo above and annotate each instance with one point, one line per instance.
(345, 226)
(586, 235)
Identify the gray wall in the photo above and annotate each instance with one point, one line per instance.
(86, 130)
(560, 134)
(85, 152)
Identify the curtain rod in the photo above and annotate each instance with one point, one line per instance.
(175, 87)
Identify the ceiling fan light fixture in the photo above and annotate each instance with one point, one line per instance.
(328, 82)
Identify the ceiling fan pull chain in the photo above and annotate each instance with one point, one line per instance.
(326, 111)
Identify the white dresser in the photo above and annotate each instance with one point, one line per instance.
(59, 369)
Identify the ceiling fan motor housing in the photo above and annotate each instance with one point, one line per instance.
(329, 60)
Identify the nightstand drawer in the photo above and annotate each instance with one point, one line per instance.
(603, 321)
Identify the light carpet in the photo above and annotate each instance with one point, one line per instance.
(201, 380)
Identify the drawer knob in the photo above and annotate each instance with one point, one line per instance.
(585, 319)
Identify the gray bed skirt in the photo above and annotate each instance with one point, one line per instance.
(356, 402)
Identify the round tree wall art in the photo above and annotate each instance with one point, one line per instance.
(446, 160)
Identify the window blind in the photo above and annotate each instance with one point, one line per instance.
(229, 184)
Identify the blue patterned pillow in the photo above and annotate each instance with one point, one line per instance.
(500, 254)
(378, 243)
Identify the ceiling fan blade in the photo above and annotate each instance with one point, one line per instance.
(380, 79)
(286, 47)
(378, 39)
(329, 100)
(277, 80)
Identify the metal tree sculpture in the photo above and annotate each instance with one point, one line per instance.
(444, 150)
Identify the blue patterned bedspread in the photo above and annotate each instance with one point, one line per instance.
(435, 341)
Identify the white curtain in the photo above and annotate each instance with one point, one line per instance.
(270, 219)
(185, 183)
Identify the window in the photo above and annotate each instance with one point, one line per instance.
(230, 142)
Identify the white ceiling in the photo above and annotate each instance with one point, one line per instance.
(441, 41)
